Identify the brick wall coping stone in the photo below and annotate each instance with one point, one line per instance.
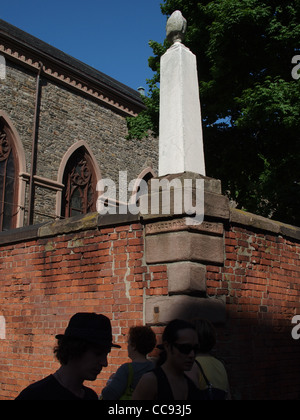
(243, 218)
(94, 221)
(61, 227)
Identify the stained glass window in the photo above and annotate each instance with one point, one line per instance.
(79, 195)
(8, 180)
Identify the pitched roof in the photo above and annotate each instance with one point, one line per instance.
(43, 49)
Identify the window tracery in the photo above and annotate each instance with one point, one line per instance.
(79, 195)
(8, 180)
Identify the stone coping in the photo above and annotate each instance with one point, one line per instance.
(95, 221)
(246, 219)
(61, 227)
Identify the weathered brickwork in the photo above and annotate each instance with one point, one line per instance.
(261, 282)
(89, 265)
(43, 282)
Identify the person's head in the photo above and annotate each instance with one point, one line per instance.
(141, 340)
(180, 342)
(86, 358)
(206, 335)
(85, 344)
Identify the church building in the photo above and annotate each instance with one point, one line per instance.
(62, 129)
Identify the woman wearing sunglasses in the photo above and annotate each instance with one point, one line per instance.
(168, 381)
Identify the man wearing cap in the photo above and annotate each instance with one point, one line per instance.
(82, 351)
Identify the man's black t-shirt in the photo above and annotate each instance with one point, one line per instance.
(49, 389)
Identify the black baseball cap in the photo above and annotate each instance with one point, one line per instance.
(91, 327)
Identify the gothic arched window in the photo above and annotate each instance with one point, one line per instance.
(8, 179)
(79, 195)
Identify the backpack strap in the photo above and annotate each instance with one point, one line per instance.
(130, 375)
(127, 395)
(204, 376)
(213, 393)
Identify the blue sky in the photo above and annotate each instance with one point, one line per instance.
(110, 35)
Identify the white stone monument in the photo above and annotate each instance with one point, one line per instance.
(180, 136)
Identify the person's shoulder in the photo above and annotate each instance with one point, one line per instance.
(146, 388)
(148, 380)
(37, 389)
(124, 368)
(209, 360)
(151, 376)
(142, 367)
(216, 363)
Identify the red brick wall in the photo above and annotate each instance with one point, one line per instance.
(44, 281)
(261, 281)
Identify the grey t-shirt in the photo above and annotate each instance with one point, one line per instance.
(116, 386)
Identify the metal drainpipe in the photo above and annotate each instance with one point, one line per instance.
(34, 146)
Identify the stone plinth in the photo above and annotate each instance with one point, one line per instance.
(184, 246)
(186, 250)
(186, 277)
(161, 310)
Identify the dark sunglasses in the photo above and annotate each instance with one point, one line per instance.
(186, 348)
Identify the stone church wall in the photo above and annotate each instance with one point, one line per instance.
(65, 118)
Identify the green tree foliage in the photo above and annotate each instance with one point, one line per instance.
(139, 126)
(250, 101)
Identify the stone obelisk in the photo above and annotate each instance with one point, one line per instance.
(180, 137)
